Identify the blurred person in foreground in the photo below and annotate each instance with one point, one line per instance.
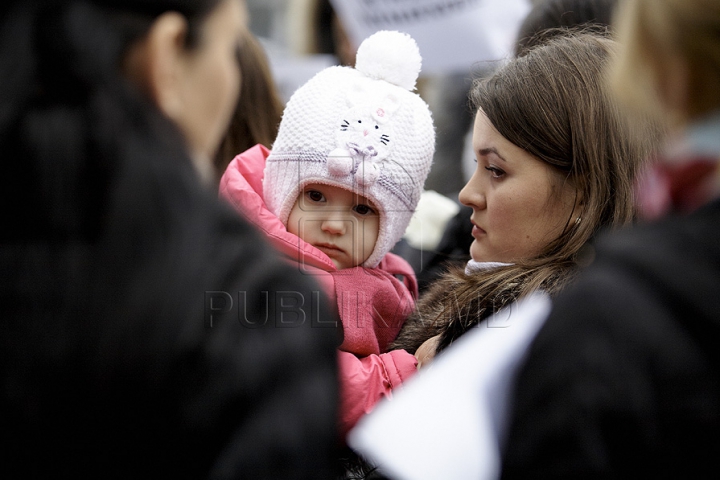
(623, 380)
(122, 353)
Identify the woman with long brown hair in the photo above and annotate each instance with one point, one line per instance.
(555, 165)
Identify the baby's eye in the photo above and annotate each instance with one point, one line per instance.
(495, 172)
(376, 127)
(362, 209)
(315, 196)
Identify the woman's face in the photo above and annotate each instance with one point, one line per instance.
(210, 78)
(520, 204)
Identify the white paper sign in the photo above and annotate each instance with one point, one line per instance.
(453, 35)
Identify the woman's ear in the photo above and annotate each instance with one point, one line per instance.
(154, 63)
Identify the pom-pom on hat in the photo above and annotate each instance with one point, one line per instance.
(362, 129)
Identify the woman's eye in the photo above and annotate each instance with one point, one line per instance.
(363, 209)
(495, 172)
(315, 196)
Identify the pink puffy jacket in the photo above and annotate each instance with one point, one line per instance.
(372, 303)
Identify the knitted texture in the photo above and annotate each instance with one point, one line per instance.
(355, 129)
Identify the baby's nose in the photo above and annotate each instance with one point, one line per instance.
(335, 226)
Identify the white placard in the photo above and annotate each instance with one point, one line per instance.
(453, 35)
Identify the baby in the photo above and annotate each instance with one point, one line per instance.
(337, 192)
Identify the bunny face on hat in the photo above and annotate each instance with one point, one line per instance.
(355, 129)
(364, 139)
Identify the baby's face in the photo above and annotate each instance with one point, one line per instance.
(340, 223)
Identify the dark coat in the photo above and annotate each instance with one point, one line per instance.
(623, 381)
(116, 361)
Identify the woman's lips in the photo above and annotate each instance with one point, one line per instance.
(477, 231)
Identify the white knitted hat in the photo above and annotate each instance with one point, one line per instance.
(361, 129)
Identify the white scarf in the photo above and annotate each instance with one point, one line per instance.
(476, 267)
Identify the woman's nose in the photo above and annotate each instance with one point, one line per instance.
(473, 194)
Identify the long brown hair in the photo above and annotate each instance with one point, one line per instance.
(553, 103)
(259, 109)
